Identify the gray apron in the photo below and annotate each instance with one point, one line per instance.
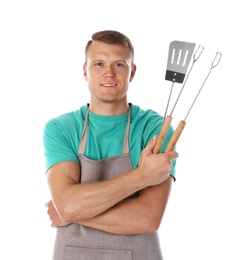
(76, 242)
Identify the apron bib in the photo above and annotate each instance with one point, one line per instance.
(76, 242)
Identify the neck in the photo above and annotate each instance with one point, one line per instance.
(109, 108)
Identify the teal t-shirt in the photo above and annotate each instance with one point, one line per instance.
(61, 136)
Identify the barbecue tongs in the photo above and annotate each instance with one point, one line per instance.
(179, 57)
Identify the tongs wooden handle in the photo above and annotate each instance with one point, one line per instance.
(163, 132)
(175, 136)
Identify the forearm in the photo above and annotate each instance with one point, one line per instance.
(126, 217)
(84, 201)
(136, 215)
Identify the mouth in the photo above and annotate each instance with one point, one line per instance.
(108, 85)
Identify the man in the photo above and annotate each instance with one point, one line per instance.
(109, 190)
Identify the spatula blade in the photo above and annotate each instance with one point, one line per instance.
(179, 57)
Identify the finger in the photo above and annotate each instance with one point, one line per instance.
(46, 204)
(171, 155)
(151, 143)
(54, 225)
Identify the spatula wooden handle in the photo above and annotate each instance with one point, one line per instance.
(175, 136)
(162, 134)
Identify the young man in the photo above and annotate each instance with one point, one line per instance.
(109, 190)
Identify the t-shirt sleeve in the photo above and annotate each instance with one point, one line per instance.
(56, 144)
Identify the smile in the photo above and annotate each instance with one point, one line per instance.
(109, 85)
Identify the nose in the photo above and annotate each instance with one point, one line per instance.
(109, 72)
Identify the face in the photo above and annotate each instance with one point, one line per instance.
(108, 71)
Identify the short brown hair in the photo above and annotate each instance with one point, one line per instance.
(111, 37)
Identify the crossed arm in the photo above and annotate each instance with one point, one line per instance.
(102, 205)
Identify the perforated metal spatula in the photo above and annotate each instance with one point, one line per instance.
(179, 56)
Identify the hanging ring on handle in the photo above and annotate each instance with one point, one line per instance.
(217, 59)
(199, 52)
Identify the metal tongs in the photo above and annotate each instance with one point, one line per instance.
(168, 118)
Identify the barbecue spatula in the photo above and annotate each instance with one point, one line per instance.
(179, 56)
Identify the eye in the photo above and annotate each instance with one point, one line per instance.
(119, 65)
(98, 64)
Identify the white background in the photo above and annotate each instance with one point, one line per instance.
(41, 55)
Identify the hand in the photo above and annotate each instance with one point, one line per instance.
(156, 168)
(54, 216)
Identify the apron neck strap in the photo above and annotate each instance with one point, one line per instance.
(126, 136)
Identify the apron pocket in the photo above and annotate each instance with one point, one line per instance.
(77, 253)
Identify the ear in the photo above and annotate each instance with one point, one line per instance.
(85, 71)
(133, 71)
